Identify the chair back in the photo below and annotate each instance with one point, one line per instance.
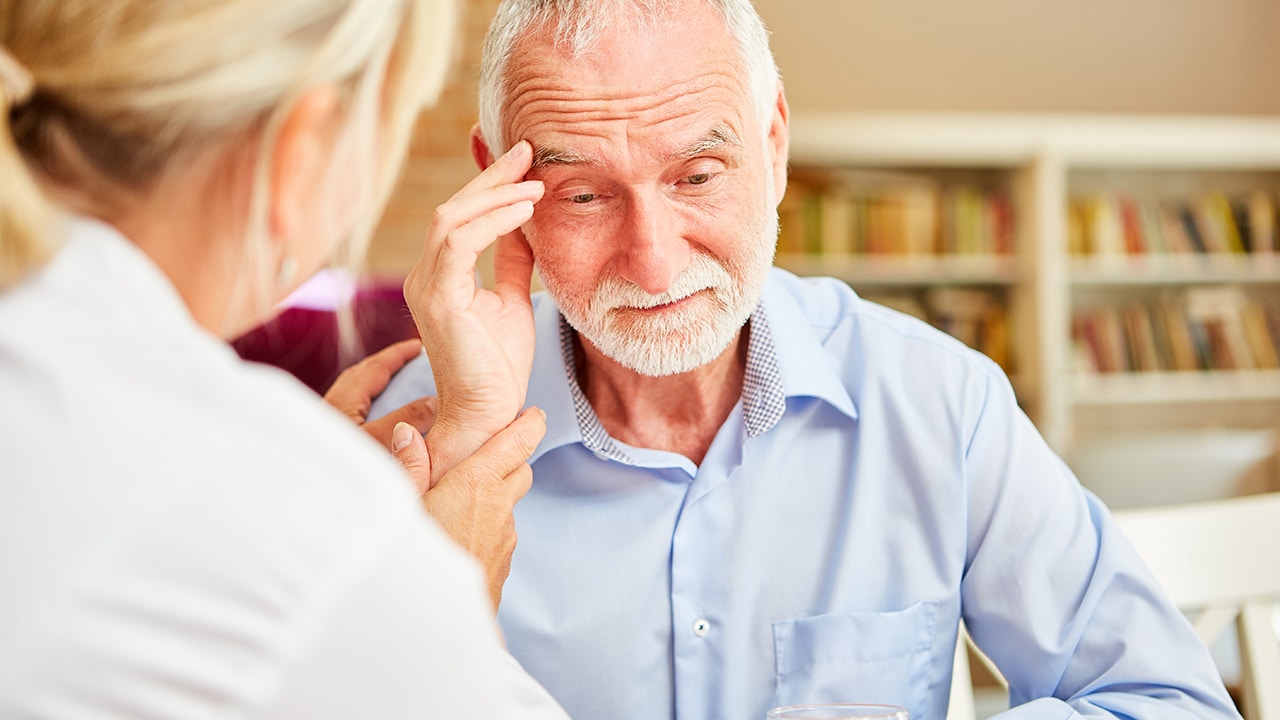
(1219, 562)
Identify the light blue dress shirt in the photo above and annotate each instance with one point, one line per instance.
(876, 483)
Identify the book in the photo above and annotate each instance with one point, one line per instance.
(1113, 350)
(1105, 228)
(1173, 231)
(1183, 356)
(1084, 335)
(1077, 234)
(836, 233)
(1142, 338)
(1149, 222)
(1266, 355)
(1261, 211)
(1218, 215)
(1217, 311)
(1130, 225)
(1193, 228)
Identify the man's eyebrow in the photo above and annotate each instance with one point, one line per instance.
(547, 156)
(717, 137)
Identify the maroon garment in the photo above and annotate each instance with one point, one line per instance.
(304, 340)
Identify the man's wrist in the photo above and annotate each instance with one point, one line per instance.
(449, 442)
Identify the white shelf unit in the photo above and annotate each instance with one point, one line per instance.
(889, 271)
(1046, 157)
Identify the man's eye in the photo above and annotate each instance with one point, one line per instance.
(582, 198)
(698, 179)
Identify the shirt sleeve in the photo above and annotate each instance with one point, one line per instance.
(1055, 595)
(414, 638)
(411, 382)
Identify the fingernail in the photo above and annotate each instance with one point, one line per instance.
(521, 149)
(543, 413)
(401, 436)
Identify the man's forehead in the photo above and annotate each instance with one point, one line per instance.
(626, 70)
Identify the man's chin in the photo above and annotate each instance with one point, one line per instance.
(663, 354)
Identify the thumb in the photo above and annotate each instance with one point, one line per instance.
(410, 449)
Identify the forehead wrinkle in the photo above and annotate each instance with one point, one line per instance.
(542, 94)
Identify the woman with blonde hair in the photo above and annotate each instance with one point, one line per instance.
(183, 535)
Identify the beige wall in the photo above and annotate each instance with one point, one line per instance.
(1122, 56)
(439, 158)
(1183, 56)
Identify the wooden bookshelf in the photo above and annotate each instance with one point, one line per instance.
(1046, 163)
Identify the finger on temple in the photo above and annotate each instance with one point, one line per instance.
(509, 168)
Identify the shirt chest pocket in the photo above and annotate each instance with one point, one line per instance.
(878, 657)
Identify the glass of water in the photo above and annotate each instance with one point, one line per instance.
(839, 711)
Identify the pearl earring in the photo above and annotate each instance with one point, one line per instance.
(288, 270)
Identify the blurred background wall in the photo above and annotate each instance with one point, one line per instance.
(1116, 56)
(1088, 56)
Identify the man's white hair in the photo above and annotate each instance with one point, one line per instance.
(578, 24)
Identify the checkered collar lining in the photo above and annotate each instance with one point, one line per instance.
(763, 399)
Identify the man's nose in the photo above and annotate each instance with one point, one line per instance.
(656, 250)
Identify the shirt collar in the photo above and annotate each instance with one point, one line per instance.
(807, 366)
(784, 359)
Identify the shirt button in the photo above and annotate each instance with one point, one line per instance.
(701, 627)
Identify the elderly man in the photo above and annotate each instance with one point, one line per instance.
(756, 489)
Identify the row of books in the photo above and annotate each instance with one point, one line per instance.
(1203, 328)
(1112, 225)
(888, 214)
(977, 317)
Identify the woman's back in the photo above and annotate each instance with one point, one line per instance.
(185, 535)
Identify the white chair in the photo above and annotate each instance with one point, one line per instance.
(1219, 561)
(961, 706)
(966, 703)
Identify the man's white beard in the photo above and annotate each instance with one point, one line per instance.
(673, 341)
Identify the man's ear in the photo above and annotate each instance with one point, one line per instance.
(480, 149)
(303, 147)
(779, 144)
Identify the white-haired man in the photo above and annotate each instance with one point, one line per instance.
(755, 489)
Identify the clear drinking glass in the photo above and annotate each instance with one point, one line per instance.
(839, 711)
